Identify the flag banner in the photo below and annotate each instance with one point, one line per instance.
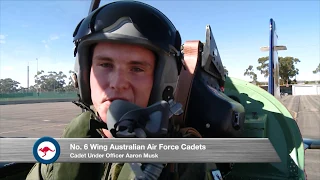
(93, 150)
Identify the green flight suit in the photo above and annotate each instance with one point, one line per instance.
(84, 126)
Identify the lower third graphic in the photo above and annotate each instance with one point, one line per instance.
(46, 150)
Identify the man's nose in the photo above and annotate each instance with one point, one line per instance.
(119, 80)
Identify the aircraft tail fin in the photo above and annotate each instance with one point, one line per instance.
(273, 69)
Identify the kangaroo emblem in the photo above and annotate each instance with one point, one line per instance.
(45, 150)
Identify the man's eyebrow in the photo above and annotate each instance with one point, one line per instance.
(104, 58)
(142, 63)
(133, 62)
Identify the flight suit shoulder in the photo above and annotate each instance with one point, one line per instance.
(79, 127)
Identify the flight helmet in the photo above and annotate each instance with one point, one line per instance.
(129, 22)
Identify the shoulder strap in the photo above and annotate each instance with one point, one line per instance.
(191, 50)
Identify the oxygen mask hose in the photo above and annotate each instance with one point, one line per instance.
(151, 172)
(128, 120)
(125, 119)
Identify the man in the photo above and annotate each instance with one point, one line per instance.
(125, 50)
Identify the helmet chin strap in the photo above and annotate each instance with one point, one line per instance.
(98, 123)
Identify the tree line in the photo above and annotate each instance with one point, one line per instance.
(56, 81)
(44, 82)
(287, 70)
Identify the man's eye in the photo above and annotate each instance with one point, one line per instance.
(106, 65)
(136, 69)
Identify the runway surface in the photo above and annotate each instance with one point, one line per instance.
(306, 111)
(37, 120)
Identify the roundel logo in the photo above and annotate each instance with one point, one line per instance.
(46, 150)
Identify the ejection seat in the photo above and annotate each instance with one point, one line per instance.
(200, 90)
(212, 113)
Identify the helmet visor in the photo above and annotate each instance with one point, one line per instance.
(150, 22)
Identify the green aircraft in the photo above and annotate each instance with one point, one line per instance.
(237, 109)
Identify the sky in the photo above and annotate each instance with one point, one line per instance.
(42, 30)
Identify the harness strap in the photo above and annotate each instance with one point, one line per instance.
(191, 51)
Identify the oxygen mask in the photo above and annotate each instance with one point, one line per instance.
(127, 120)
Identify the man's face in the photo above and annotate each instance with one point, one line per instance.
(120, 71)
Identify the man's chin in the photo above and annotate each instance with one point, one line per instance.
(103, 109)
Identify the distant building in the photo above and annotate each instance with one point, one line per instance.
(305, 89)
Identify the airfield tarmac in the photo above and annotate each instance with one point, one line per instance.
(306, 111)
(36, 120)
